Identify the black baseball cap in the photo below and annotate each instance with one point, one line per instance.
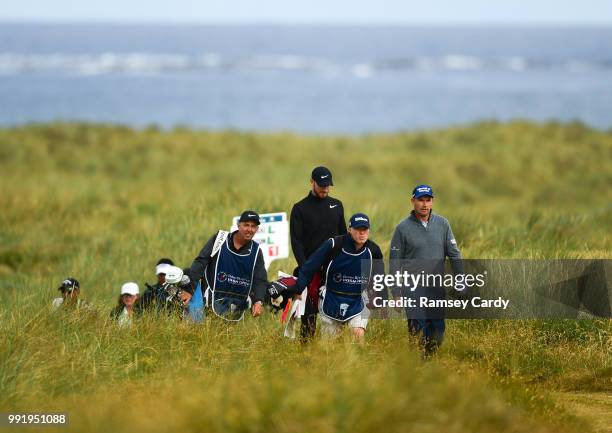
(249, 215)
(69, 284)
(322, 176)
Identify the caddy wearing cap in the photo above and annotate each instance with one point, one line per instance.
(232, 271)
(359, 220)
(314, 220)
(249, 215)
(424, 240)
(349, 261)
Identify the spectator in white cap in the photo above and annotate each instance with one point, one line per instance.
(166, 296)
(161, 269)
(125, 306)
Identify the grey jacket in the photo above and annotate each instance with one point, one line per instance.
(412, 241)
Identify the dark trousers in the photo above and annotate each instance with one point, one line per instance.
(429, 331)
(308, 328)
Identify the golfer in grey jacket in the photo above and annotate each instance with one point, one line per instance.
(424, 240)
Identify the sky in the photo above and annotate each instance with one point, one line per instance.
(551, 12)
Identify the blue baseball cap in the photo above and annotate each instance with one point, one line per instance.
(359, 220)
(421, 191)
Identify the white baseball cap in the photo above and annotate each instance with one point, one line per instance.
(130, 289)
(163, 268)
(174, 274)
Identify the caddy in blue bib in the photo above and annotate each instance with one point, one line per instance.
(346, 277)
(233, 281)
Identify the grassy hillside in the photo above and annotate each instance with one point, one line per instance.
(102, 203)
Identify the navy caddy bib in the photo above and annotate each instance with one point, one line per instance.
(233, 281)
(346, 277)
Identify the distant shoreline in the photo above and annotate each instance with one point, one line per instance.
(192, 129)
(321, 79)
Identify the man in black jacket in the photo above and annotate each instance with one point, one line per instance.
(314, 219)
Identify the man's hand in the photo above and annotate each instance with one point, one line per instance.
(185, 297)
(275, 288)
(274, 291)
(257, 309)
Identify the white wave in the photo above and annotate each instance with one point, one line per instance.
(288, 62)
(462, 63)
(16, 63)
(135, 63)
(210, 60)
(105, 63)
(138, 63)
(362, 70)
(514, 63)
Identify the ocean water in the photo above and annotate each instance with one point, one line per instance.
(314, 79)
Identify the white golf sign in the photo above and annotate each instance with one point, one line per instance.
(272, 236)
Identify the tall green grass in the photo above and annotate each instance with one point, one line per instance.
(102, 203)
(162, 376)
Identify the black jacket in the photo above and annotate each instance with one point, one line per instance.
(201, 266)
(313, 221)
(155, 299)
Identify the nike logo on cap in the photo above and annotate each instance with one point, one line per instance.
(323, 177)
